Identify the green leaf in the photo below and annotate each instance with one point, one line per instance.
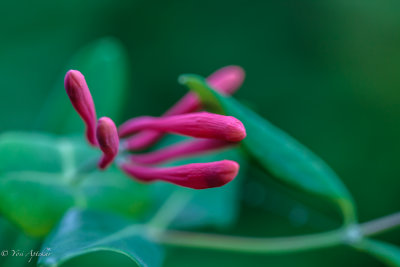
(278, 153)
(12, 238)
(385, 252)
(38, 176)
(82, 232)
(105, 67)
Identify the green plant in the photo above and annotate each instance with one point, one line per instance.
(50, 186)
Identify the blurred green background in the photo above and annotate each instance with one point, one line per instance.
(327, 72)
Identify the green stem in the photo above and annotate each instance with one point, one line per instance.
(347, 235)
(84, 168)
(170, 209)
(252, 244)
(381, 225)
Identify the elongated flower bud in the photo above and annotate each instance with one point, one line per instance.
(79, 94)
(200, 124)
(107, 137)
(226, 80)
(195, 175)
(142, 140)
(182, 149)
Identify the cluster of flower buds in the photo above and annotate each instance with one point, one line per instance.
(210, 132)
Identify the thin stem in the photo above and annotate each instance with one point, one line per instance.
(252, 244)
(280, 244)
(381, 225)
(170, 209)
(86, 167)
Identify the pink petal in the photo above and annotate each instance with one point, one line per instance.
(195, 175)
(142, 140)
(107, 137)
(182, 149)
(199, 124)
(226, 80)
(79, 94)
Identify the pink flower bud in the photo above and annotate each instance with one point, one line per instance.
(107, 137)
(142, 140)
(195, 175)
(182, 149)
(79, 94)
(200, 124)
(226, 80)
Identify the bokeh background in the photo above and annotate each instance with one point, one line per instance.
(327, 72)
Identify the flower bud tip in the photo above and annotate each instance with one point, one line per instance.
(227, 79)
